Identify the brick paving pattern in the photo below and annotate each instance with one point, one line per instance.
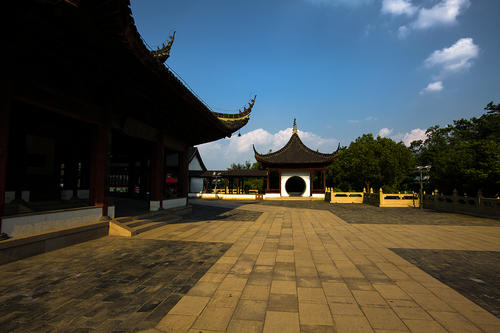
(367, 214)
(106, 284)
(298, 267)
(475, 274)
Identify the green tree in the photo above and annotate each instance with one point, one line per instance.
(370, 162)
(464, 155)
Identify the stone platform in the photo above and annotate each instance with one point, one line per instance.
(289, 267)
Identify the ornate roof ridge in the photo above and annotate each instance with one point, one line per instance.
(163, 52)
(301, 145)
(237, 116)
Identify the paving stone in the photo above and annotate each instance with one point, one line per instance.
(316, 329)
(245, 326)
(471, 273)
(250, 310)
(214, 318)
(368, 298)
(233, 282)
(315, 314)
(383, 318)
(311, 295)
(281, 322)
(351, 324)
(83, 285)
(176, 323)
(225, 298)
(424, 326)
(351, 309)
(454, 322)
(336, 289)
(257, 293)
(282, 302)
(283, 287)
(190, 305)
(390, 291)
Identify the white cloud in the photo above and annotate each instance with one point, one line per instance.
(443, 13)
(220, 154)
(408, 137)
(385, 132)
(455, 58)
(403, 32)
(414, 135)
(398, 7)
(432, 87)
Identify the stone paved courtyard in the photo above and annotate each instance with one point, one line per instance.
(289, 267)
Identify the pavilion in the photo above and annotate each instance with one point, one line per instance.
(295, 170)
(90, 113)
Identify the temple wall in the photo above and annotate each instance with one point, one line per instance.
(305, 175)
(195, 185)
(26, 224)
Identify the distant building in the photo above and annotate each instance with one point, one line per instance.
(196, 169)
(295, 170)
(88, 114)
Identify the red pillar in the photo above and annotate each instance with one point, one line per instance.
(268, 189)
(183, 174)
(100, 146)
(324, 180)
(157, 172)
(4, 142)
(280, 182)
(311, 181)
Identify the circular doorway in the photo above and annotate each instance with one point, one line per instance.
(295, 186)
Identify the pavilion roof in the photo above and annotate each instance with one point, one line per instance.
(89, 53)
(295, 152)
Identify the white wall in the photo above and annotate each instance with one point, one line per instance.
(35, 223)
(305, 175)
(195, 165)
(196, 185)
(174, 203)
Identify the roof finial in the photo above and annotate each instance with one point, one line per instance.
(294, 126)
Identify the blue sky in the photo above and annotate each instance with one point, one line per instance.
(341, 67)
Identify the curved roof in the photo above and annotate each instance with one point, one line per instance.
(156, 58)
(104, 43)
(295, 152)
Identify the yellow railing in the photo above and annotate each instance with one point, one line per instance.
(380, 199)
(346, 197)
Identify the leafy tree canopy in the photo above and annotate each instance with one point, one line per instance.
(370, 162)
(464, 155)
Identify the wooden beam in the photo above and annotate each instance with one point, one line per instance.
(5, 106)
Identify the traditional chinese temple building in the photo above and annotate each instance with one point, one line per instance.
(295, 170)
(89, 113)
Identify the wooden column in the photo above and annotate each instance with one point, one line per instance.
(183, 173)
(99, 160)
(311, 181)
(157, 178)
(4, 143)
(280, 181)
(268, 189)
(324, 180)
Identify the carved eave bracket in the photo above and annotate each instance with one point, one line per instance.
(163, 52)
(241, 115)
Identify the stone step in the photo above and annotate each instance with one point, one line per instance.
(135, 223)
(147, 227)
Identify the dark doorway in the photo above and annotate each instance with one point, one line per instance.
(295, 186)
